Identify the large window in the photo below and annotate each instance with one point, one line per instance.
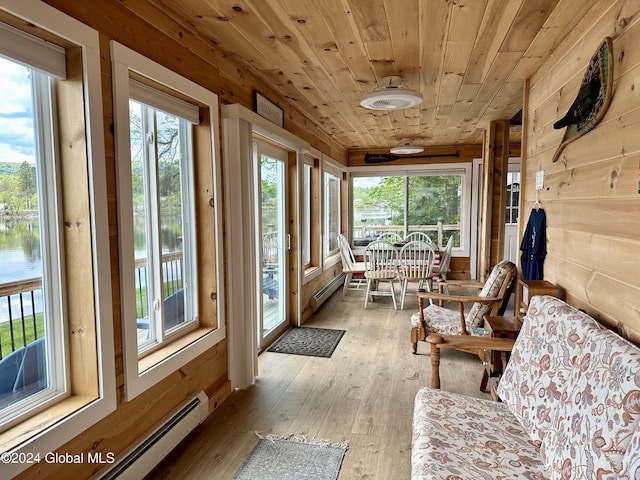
(331, 214)
(33, 353)
(164, 286)
(430, 203)
(57, 368)
(169, 210)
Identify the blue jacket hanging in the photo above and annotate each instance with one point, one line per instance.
(534, 246)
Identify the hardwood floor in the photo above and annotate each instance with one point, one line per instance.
(364, 394)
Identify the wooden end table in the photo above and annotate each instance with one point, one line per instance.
(498, 327)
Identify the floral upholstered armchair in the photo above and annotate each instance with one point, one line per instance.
(491, 299)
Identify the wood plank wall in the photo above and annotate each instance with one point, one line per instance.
(591, 195)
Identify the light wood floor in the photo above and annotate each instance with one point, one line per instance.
(364, 394)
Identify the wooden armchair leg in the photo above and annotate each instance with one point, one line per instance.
(485, 380)
(415, 333)
(434, 340)
(435, 366)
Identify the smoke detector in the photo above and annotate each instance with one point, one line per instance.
(391, 96)
(406, 148)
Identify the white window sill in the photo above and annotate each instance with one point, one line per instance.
(310, 273)
(331, 261)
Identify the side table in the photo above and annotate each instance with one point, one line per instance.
(500, 327)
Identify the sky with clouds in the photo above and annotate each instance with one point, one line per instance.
(16, 119)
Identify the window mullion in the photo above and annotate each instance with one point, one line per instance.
(406, 206)
(154, 247)
(189, 249)
(47, 180)
(156, 238)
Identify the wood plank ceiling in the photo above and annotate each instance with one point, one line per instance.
(468, 58)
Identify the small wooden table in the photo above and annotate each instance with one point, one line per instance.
(498, 327)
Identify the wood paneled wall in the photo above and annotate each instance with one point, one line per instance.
(591, 195)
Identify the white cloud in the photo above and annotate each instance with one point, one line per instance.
(16, 122)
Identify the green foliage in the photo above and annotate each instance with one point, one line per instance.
(18, 188)
(269, 190)
(11, 169)
(431, 199)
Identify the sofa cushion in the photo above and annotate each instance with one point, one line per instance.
(456, 437)
(548, 348)
(594, 425)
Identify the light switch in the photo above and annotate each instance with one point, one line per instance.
(539, 179)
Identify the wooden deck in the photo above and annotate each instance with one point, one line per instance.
(364, 393)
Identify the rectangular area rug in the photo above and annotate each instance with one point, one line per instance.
(309, 341)
(280, 458)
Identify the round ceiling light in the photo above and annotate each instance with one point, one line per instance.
(406, 148)
(391, 96)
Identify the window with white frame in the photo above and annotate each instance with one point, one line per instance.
(33, 353)
(171, 299)
(331, 212)
(306, 214)
(164, 233)
(56, 328)
(430, 201)
(513, 198)
(311, 212)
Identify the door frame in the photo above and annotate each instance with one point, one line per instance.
(239, 126)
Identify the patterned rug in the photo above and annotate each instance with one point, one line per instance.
(277, 458)
(309, 341)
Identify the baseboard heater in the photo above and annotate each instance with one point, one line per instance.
(326, 291)
(142, 458)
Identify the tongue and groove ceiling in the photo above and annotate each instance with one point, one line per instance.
(468, 58)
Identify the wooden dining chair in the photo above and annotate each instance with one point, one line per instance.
(444, 266)
(381, 267)
(416, 265)
(423, 237)
(349, 266)
(389, 237)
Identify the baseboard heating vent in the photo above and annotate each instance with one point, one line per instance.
(141, 459)
(326, 291)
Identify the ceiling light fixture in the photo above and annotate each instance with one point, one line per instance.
(406, 148)
(391, 96)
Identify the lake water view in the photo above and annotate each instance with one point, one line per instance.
(20, 257)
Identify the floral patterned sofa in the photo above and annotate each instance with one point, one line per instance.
(570, 410)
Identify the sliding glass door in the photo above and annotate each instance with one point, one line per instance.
(272, 240)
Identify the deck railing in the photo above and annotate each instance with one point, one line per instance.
(371, 232)
(172, 276)
(22, 298)
(25, 327)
